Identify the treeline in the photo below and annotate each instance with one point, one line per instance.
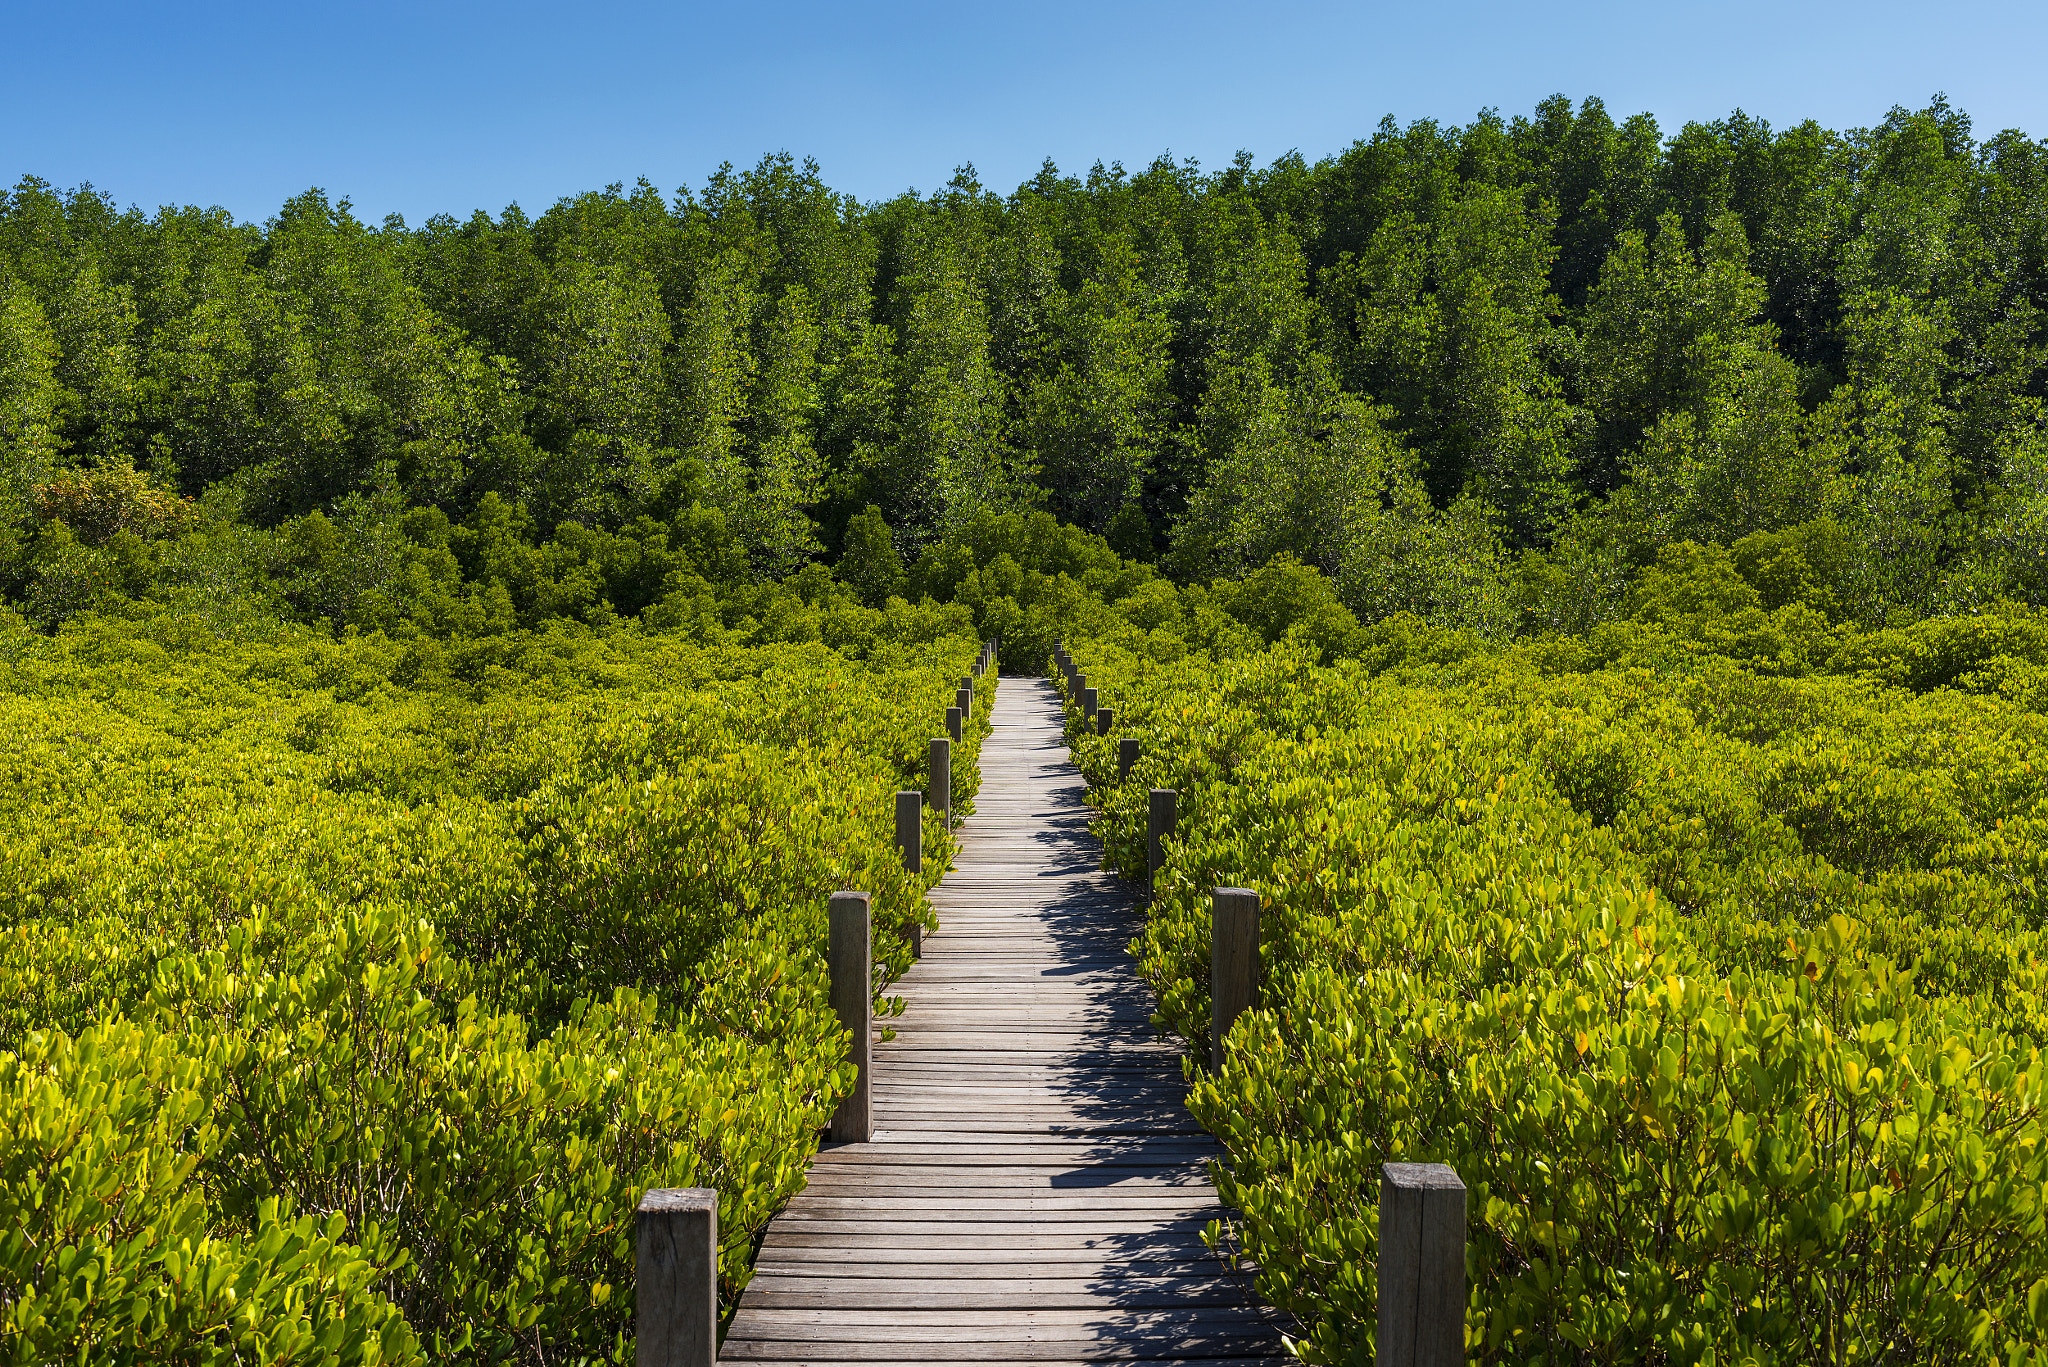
(1480, 373)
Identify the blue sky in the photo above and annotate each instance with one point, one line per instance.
(433, 106)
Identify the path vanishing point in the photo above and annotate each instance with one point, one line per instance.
(1034, 1191)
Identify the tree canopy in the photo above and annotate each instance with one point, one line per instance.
(1439, 366)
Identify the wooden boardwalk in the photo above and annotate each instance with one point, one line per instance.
(1034, 1190)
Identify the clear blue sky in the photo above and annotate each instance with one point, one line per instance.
(434, 106)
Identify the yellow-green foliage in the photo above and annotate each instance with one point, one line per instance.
(110, 1252)
(1722, 992)
(351, 1006)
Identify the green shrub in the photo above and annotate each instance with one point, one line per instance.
(1722, 991)
(388, 980)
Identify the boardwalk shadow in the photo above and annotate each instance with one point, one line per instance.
(1124, 1090)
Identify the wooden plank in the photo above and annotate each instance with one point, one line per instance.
(1178, 1250)
(993, 1179)
(1108, 1237)
(1138, 1334)
(990, 1293)
(965, 1100)
(995, 1125)
(949, 1156)
(826, 1356)
(1010, 1180)
(960, 1203)
(1188, 1259)
(903, 1064)
(799, 1323)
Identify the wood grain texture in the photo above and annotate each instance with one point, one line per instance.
(850, 953)
(1421, 1267)
(1034, 1189)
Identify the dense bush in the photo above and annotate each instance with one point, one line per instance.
(1722, 991)
(358, 990)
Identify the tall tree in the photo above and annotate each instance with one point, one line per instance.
(1451, 323)
(786, 472)
(1098, 423)
(1687, 396)
(604, 393)
(28, 394)
(951, 458)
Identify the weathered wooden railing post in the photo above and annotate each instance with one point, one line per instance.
(1233, 962)
(910, 842)
(939, 791)
(964, 700)
(1127, 752)
(1105, 718)
(1088, 709)
(675, 1266)
(849, 954)
(1422, 1267)
(953, 724)
(1159, 819)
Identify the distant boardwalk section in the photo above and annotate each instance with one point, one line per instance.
(1034, 1190)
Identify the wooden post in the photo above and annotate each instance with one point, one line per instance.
(1105, 717)
(1422, 1267)
(849, 953)
(910, 829)
(910, 843)
(964, 700)
(1233, 962)
(1159, 818)
(1127, 751)
(953, 722)
(676, 1267)
(939, 791)
(1087, 709)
